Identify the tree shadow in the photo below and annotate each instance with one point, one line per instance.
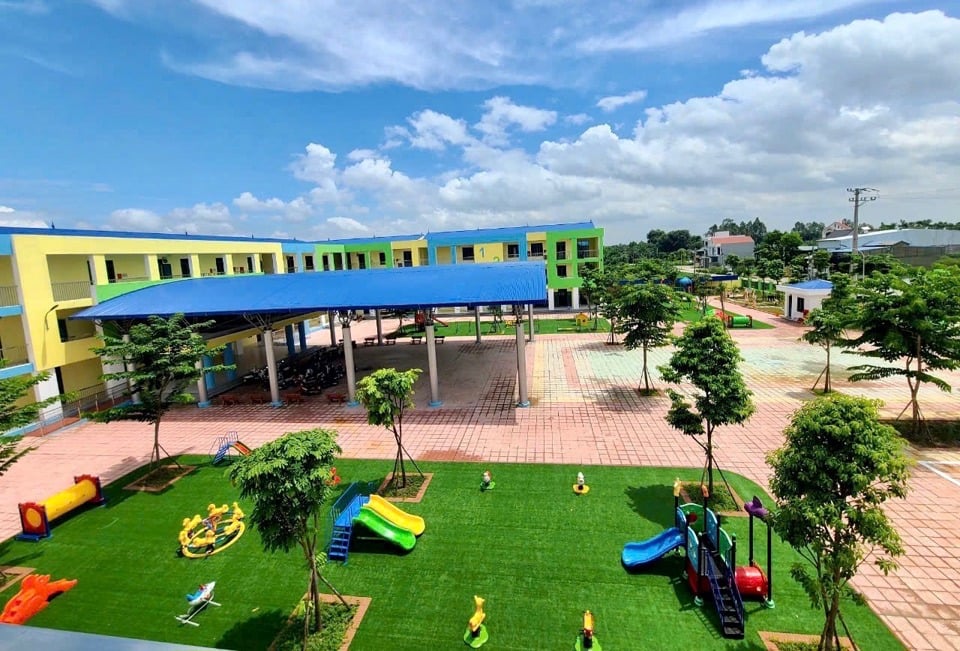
(255, 632)
(649, 502)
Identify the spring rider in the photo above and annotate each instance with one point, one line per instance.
(581, 488)
(487, 483)
(476, 635)
(586, 640)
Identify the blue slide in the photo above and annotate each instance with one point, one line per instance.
(641, 553)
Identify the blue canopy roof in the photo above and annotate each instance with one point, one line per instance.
(813, 284)
(391, 288)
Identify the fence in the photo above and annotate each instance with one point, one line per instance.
(14, 355)
(71, 291)
(8, 296)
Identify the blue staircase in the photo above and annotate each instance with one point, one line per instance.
(342, 513)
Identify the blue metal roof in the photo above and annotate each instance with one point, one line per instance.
(364, 240)
(481, 234)
(813, 284)
(299, 293)
(76, 232)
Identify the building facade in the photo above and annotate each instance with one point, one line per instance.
(721, 244)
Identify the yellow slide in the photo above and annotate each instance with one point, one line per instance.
(397, 517)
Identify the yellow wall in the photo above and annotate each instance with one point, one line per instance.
(443, 255)
(492, 252)
(67, 268)
(6, 271)
(11, 335)
(413, 246)
(208, 264)
(126, 267)
(422, 258)
(537, 236)
(81, 375)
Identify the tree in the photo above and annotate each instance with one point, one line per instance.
(161, 358)
(14, 414)
(829, 322)
(910, 319)
(649, 311)
(821, 261)
(386, 394)
(830, 479)
(809, 231)
(288, 480)
(733, 261)
(707, 358)
(770, 268)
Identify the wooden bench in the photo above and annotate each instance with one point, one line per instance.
(337, 398)
(259, 399)
(416, 339)
(439, 338)
(390, 341)
(228, 401)
(293, 398)
(369, 341)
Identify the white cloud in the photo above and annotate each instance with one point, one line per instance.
(11, 217)
(201, 218)
(501, 113)
(348, 225)
(360, 154)
(249, 203)
(317, 165)
(613, 102)
(6, 209)
(577, 118)
(434, 131)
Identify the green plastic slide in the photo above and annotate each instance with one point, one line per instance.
(373, 521)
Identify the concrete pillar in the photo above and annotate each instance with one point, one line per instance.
(272, 368)
(432, 367)
(291, 342)
(208, 378)
(150, 267)
(351, 372)
(530, 319)
(575, 301)
(195, 270)
(331, 319)
(522, 368)
(202, 399)
(550, 305)
(379, 327)
(476, 321)
(230, 358)
(302, 335)
(48, 389)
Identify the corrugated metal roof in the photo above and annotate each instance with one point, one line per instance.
(732, 239)
(512, 231)
(76, 232)
(812, 284)
(391, 288)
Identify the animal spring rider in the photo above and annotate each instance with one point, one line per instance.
(201, 537)
(476, 635)
(487, 483)
(586, 640)
(198, 600)
(581, 488)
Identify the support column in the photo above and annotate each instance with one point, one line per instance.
(202, 399)
(379, 327)
(521, 363)
(331, 319)
(530, 319)
(272, 368)
(302, 334)
(550, 304)
(208, 378)
(575, 302)
(291, 342)
(48, 389)
(134, 394)
(432, 365)
(348, 362)
(230, 359)
(476, 321)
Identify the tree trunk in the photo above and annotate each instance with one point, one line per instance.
(826, 379)
(828, 636)
(155, 457)
(646, 372)
(710, 458)
(915, 390)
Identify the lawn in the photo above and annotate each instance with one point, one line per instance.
(536, 552)
(689, 313)
(467, 327)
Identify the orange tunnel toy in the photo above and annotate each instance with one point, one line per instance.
(35, 517)
(35, 594)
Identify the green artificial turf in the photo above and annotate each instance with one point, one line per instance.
(691, 314)
(467, 328)
(536, 552)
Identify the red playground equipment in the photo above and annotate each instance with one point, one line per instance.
(35, 594)
(751, 580)
(35, 517)
(420, 319)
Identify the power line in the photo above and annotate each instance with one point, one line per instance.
(859, 198)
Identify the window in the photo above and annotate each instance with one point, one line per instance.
(536, 250)
(467, 253)
(361, 261)
(513, 251)
(308, 262)
(221, 268)
(291, 264)
(250, 264)
(407, 258)
(561, 250)
(326, 262)
(383, 259)
(584, 250)
(562, 271)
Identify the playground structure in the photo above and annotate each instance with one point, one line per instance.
(35, 517)
(711, 554)
(35, 594)
(382, 518)
(586, 639)
(752, 581)
(226, 443)
(736, 321)
(201, 537)
(420, 320)
(581, 488)
(487, 483)
(197, 601)
(476, 634)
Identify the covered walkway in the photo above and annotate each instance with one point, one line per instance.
(264, 301)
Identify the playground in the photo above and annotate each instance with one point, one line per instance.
(534, 551)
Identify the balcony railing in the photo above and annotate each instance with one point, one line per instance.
(588, 253)
(14, 355)
(513, 256)
(535, 255)
(8, 296)
(71, 291)
(562, 255)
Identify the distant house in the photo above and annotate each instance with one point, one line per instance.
(718, 246)
(915, 246)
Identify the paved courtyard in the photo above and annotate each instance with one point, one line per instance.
(584, 410)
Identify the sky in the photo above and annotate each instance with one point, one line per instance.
(318, 120)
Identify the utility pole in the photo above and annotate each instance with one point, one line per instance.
(858, 200)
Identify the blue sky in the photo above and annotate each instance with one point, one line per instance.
(324, 119)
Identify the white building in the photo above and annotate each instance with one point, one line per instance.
(875, 240)
(718, 246)
(800, 298)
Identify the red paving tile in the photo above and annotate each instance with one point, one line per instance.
(585, 410)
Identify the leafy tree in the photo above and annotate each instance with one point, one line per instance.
(798, 268)
(772, 269)
(809, 231)
(821, 261)
(386, 394)
(591, 291)
(706, 357)
(160, 360)
(655, 238)
(288, 480)
(609, 288)
(909, 318)
(733, 261)
(14, 415)
(830, 479)
(649, 311)
(829, 322)
(617, 254)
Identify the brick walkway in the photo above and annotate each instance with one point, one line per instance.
(584, 411)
